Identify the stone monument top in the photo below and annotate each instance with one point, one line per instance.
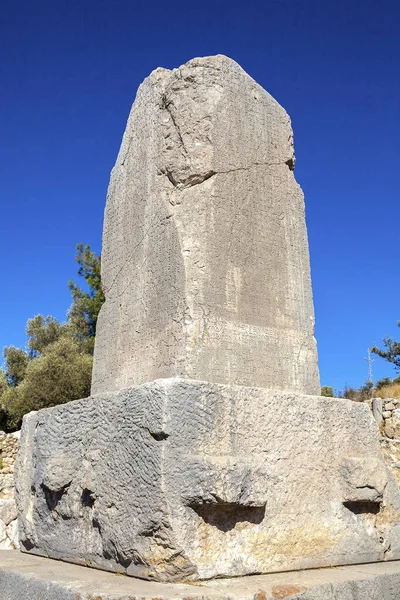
(205, 262)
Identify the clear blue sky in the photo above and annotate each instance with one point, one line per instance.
(69, 72)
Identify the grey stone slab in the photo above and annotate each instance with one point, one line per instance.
(176, 479)
(8, 510)
(377, 409)
(205, 263)
(25, 577)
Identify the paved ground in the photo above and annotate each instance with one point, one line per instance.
(26, 577)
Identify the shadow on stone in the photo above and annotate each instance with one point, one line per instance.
(225, 516)
(53, 497)
(363, 507)
(87, 498)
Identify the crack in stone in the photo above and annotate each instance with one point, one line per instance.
(131, 256)
(367, 487)
(256, 164)
(191, 181)
(387, 550)
(199, 178)
(166, 105)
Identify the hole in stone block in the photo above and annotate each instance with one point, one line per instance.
(290, 163)
(53, 497)
(225, 516)
(27, 544)
(159, 436)
(96, 524)
(87, 498)
(362, 507)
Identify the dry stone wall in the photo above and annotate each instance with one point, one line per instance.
(8, 452)
(387, 416)
(8, 508)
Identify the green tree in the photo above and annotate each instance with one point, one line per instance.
(3, 382)
(57, 365)
(350, 393)
(82, 315)
(366, 390)
(391, 352)
(383, 383)
(16, 362)
(61, 373)
(4, 386)
(43, 331)
(327, 391)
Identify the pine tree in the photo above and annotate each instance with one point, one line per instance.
(57, 365)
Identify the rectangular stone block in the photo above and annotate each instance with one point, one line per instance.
(205, 263)
(24, 577)
(179, 480)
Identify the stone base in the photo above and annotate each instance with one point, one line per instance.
(179, 480)
(25, 577)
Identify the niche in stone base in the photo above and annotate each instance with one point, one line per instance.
(179, 480)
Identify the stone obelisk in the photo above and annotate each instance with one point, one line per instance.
(205, 263)
(201, 452)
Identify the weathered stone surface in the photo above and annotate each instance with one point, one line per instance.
(377, 409)
(391, 454)
(7, 544)
(7, 485)
(177, 479)
(12, 533)
(205, 263)
(24, 577)
(389, 429)
(8, 451)
(8, 510)
(3, 533)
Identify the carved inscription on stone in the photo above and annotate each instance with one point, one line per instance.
(205, 256)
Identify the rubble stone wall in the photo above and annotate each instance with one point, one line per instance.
(8, 451)
(8, 509)
(387, 415)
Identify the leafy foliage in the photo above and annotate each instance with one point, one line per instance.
(392, 352)
(86, 306)
(56, 367)
(61, 373)
(383, 383)
(327, 391)
(361, 394)
(41, 332)
(16, 361)
(3, 388)
(349, 393)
